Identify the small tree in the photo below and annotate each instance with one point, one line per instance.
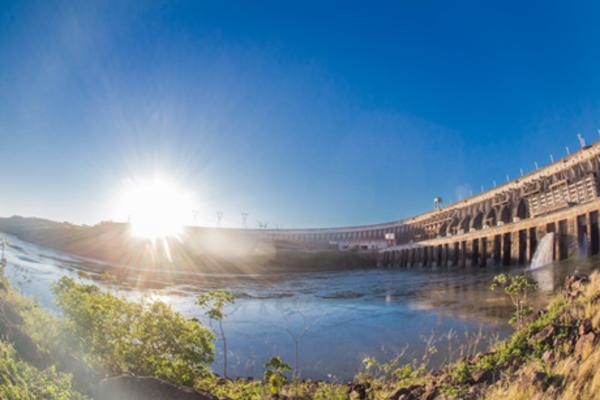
(517, 288)
(274, 376)
(213, 303)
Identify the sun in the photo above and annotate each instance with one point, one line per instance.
(157, 208)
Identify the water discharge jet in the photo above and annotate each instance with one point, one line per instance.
(544, 253)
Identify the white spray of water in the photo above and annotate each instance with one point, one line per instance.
(544, 252)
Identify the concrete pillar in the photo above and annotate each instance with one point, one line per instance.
(475, 252)
(522, 247)
(564, 250)
(497, 250)
(588, 244)
(532, 241)
(463, 255)
(506, 249)
(430, 256)
(454, 254)
(484, 252)
(445, 256)
(514, 248)
(551, 227)
(594, 234)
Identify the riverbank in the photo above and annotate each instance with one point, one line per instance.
(553, 356)
(197, 252)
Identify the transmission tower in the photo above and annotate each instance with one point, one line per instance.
(262, 225)
(581, 140)
(244, 218)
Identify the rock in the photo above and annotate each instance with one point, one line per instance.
(548, 356)
(413, 392)
(479, 356)
(476, 392)
(482, 376)
(359, 391)
(585, 327)
(141, 388)
(538, 379)
(533, 316)
(431, 392)
(544, 335)
(573, 286)
(583, 342)
(400, 392)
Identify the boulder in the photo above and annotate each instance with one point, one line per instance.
(548, 356)
(583, 342)
(400, 393)
(538, 379)
(431, 392)
(128, 387)
(359, 391)
(573, 286)
(413, 392)
(585, 327)
(482, 376)
(544, 335)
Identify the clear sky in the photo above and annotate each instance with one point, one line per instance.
(299, 113)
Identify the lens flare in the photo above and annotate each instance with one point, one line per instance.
(157, 208)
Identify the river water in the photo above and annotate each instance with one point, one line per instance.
(336, 318)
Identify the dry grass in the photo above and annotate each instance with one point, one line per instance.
(570, 376)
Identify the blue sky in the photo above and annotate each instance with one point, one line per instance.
(301, 114)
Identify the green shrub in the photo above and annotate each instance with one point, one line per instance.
(144, 338)
(21, 381)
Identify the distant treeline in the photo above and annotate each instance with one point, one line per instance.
(197, 250)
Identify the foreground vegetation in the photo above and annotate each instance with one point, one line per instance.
(553, 354)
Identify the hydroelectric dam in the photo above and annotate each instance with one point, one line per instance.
(501, 226)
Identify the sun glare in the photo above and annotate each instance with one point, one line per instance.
(157, 209)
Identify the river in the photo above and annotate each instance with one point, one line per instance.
(336, 319)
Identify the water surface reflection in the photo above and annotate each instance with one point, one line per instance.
(346, 316)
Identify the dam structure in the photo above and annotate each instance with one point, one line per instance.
(501, 226)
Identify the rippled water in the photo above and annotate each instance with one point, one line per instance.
(337, 318)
